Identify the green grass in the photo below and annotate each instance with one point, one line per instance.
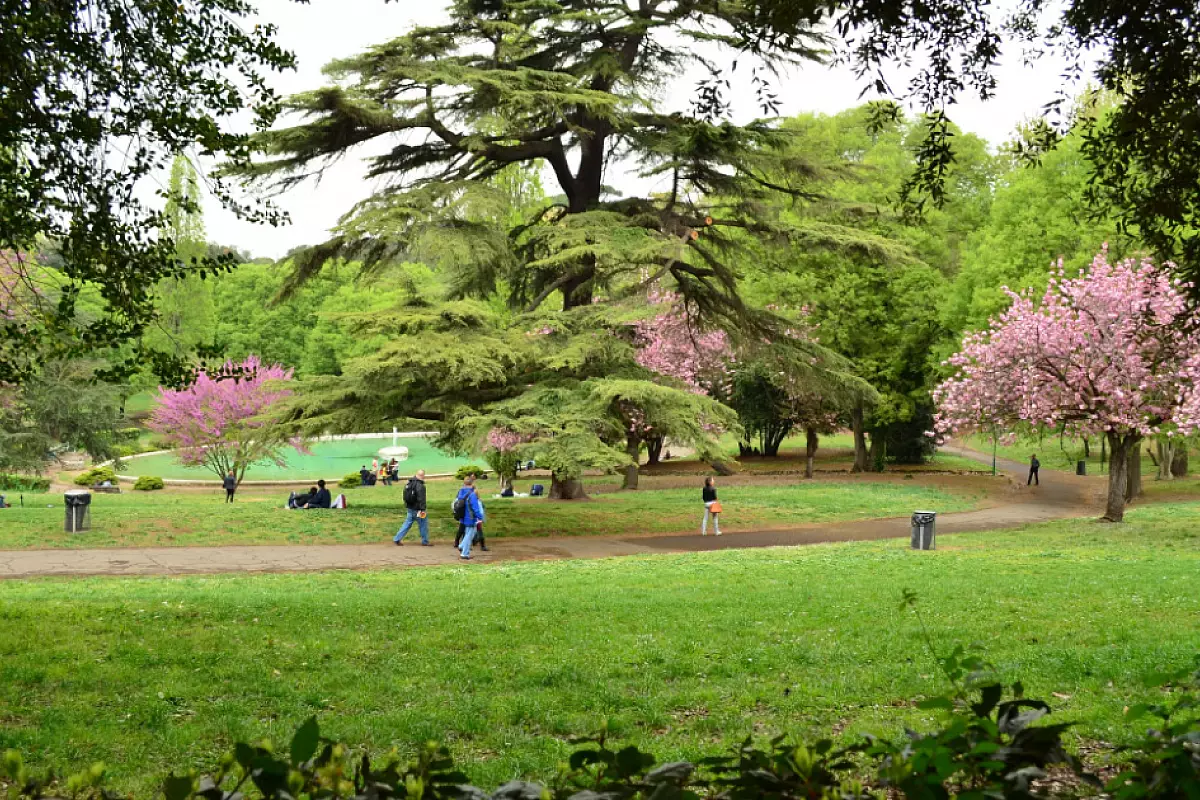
(168, 518)
(684, 653)
(1055, 453)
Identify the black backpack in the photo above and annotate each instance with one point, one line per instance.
(460, 508)
(410, 493)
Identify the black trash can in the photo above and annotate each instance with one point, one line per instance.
(1081, 468)
(79, 510)
(924, 530)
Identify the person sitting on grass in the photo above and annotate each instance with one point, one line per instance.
(303, 499)
(321, 499)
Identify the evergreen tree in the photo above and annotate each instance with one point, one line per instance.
(540, 296)
(184, 303)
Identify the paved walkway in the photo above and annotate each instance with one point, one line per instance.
(1062, 496)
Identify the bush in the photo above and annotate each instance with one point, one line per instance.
(96, 475)
(23, 483)
(351, 481)
(471, 469)
(148, 483)
(984, 747)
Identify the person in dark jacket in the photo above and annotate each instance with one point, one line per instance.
(414, 501)
(229, 483)
(364, 476)
(710, 498)
(1034, 466)
(321, 499)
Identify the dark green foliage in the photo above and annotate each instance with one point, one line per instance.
(160, 78)
(470, 469)
(24, 483)
(96, 475)
(148, 483)
(1166, 762)
(985, 747)
(351, 481)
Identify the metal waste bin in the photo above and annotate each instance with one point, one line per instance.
(1081, 468)
(79, 510)
(924, 530)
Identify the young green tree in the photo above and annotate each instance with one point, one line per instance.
(185, 312)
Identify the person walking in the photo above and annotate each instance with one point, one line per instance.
(712, 508)
(229, 483)
(1034, 466)
(414, 501)
(468, 510)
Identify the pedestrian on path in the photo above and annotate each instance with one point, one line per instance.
(230, 485)
(712, 508)
(1034, 466)
(468, 510)
(414, 501)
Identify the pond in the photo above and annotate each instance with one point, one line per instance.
(330, 460)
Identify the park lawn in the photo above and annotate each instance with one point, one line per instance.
(1056, 454)
(684, 653)
(191, 517)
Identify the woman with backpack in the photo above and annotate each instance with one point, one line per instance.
(712, 508)
(468, 510)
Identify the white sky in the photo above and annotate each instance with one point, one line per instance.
(329, 29)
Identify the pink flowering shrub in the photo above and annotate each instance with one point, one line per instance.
(221, 422)
(1103, 353)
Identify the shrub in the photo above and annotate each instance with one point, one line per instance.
(351, 481)
(985, 747)
(148, 483)
(23, 483)
(471, 469)
(96, 475)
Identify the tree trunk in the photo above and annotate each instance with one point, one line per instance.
(721, 468)
(654, 448)
(1103, 454)
(566, 489)
(506, 482)
(1087, 449)
(1118, 473)
(633, 449)
(861, 458)
(1165, 446)
(811, 441)
(1179, 467)
(1133, 480)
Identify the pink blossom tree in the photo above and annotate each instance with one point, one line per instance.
(501, 448)
(1103, 353)
(222, 422)
(672, 345)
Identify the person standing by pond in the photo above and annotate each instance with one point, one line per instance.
(712, 508)
(1034, 466)
(229, 483)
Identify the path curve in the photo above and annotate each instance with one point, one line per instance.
(1060, 497)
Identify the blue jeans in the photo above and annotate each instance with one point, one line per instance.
(422, 525)
(466, 541)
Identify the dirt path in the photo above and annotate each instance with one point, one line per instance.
(1060, 497)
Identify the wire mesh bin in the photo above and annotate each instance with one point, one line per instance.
(79, 510)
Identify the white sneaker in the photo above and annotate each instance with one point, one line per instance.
(718, 533)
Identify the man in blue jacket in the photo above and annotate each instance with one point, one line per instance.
(321, 499)
(472, 514)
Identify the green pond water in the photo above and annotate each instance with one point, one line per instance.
(329, 460)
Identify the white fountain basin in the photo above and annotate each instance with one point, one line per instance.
(395, 451)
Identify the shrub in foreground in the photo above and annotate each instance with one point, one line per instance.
(148, 483)
(987, 748)
(96, 475)
(23, 483)
(351, 481)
